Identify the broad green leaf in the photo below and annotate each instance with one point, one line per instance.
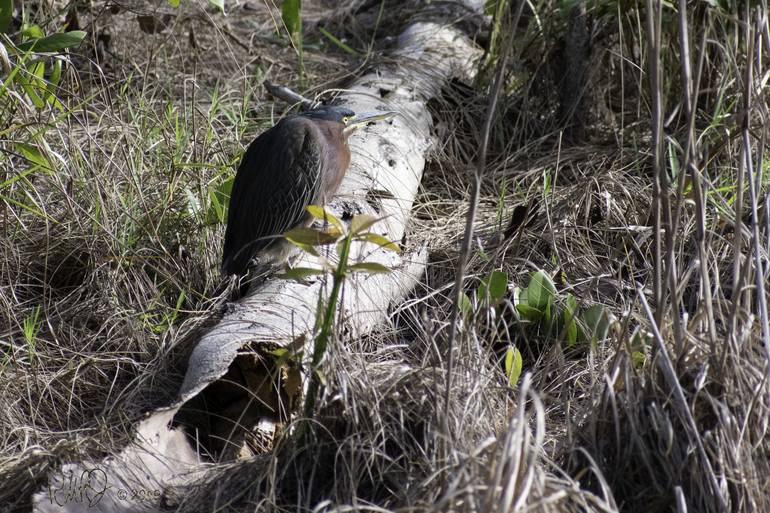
(300, 273)
(380, 241)
(6, 14)
(324, 214)
(466, 307)
(173, 3)
(32, 83)
(361, 223)
(597, 322)
(32, 32)
(529, 313)
(540, 290)
(493, 287)
(219, 4)
(522, 305)
(312, 237)
(513, 365)
(34, 155)
(370, 267)
(53, 43)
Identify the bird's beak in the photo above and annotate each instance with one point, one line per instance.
(368, 117)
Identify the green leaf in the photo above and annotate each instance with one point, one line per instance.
(380, 241)
(522, 305)
(290, 14)
(32, 32)
(6, 14)
(336, 42)
(673, 160)
(219, 198)
(569, 313)
(361, 223)
(34, 155)
(466, 307)
(513, 365)
(540, 291)
(219, 4)
(53, 43)
(312, 237)
(300, 273)
(53, 81)
(529, 313)
(597, 321)
(324, 214)
(571, 304)
(370, 267)
(493, 287)
(173, 3)
(32, 83)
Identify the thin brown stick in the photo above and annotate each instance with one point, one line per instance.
(289, 96)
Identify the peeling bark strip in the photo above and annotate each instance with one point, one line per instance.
(383, 178)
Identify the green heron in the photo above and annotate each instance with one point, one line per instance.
(298, 162)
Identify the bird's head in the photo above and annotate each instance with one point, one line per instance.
(347, 117)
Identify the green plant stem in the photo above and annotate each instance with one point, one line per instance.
(322, 340)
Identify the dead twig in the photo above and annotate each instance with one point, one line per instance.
(289, 96)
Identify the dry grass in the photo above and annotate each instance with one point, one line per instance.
(109, 267)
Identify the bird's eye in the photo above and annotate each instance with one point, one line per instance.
(345, 119)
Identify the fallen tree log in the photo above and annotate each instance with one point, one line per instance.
(235, 386)
(382, 181)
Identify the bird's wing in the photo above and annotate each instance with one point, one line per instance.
(277, 178)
